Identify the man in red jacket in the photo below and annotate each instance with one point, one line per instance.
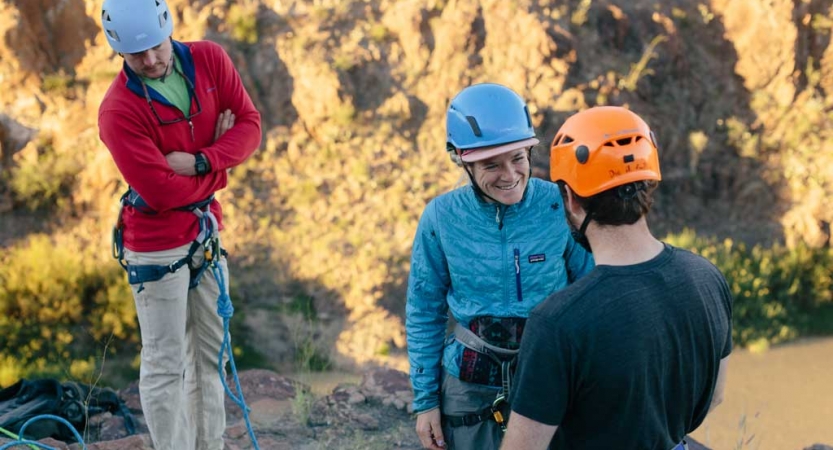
(175, 119)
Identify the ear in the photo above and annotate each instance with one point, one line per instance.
(573, 207)
(569, 200)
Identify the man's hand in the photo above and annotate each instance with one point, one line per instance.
(182, 163)
(429, 430)
(224, 123)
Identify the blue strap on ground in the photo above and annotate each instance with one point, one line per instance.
(32, 444)
(225, 309)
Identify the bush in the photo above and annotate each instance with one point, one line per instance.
(243, 24)
(59, 311)
(780, 293)
(46, 181)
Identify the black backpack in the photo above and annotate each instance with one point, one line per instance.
(72, 401)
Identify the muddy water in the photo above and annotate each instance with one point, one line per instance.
(778, 400)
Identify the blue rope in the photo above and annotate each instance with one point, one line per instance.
(22, 441)
(225, 309)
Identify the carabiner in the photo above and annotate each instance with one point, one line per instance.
(496, 414)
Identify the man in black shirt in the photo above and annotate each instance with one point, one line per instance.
(634, 354)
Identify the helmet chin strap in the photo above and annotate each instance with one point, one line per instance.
(579, 235)
(167, 68)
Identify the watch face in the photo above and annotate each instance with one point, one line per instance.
(200, 164)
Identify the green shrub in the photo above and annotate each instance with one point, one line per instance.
(45, 181)
(59, 83)
(59, 311)
(780, 293)
(243, 23)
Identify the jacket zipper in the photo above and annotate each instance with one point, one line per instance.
(518, 274)
(191, 124)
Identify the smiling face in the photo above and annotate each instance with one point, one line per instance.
(153, 62)
(503, 177)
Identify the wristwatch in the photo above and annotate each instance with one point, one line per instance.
(201, 164)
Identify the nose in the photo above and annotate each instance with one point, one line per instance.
(507, 171)
(149, 59)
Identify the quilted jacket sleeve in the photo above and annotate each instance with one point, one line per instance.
(427, 311)
(579, 261)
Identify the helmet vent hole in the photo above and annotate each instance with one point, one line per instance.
(528, 119)
(113, 35)
(628, 159)
(163, 19)
(608, 144)
(567, 139)
(105, 17)
(474, 126)
(624, 141)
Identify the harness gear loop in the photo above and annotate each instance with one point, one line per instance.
(117, 244)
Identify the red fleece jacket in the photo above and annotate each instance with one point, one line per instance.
(139, 143)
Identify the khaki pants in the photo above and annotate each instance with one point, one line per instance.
(179, 385)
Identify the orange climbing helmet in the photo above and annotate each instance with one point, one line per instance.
(601, 148)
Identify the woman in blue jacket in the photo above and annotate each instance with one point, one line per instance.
(485, 254)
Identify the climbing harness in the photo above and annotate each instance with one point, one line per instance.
(208, 238)
(504, 358)
(494, 412)
(481, 356)
(139, 274)
(33, 444)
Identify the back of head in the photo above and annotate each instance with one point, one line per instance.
(608, 157)
(133, 26)
(485, 120)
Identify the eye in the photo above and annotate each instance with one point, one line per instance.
(489, 167)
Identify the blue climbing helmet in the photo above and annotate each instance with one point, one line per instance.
(133, 26)
(485, 120)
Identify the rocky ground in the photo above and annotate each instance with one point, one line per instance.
(285, 415)
(371, 415)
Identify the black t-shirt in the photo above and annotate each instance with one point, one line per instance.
(628, 356)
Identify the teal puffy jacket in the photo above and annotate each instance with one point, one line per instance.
(471, 258)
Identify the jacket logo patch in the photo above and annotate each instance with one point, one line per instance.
(541, 257)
